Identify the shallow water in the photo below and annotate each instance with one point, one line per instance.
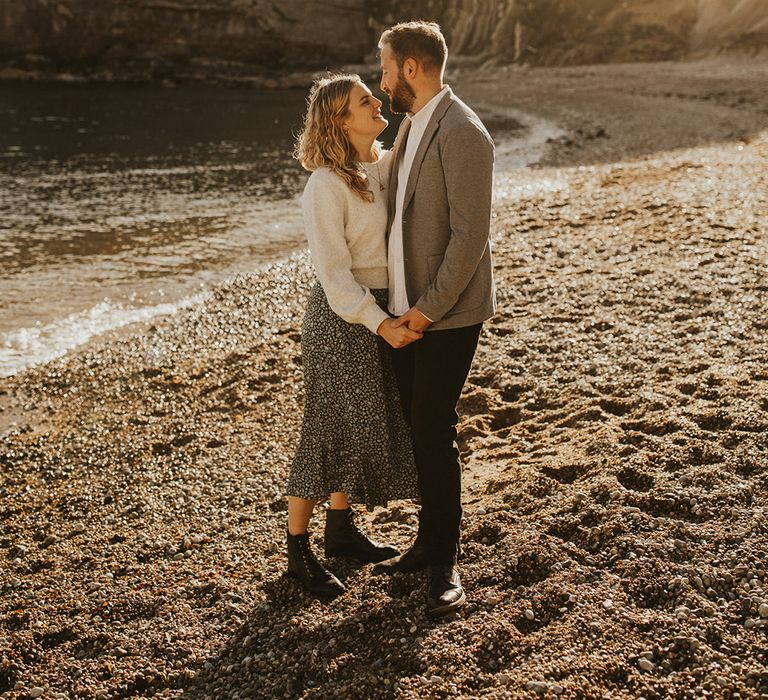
(120, 203)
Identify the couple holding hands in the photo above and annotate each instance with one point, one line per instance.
(400, 244)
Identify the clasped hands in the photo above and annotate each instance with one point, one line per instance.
(404, 330)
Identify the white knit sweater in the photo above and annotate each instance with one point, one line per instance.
(347, 241)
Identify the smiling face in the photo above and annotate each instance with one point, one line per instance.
(393, 83)
(363, 118)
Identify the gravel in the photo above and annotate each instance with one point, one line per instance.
(614, 434)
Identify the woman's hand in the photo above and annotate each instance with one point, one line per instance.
(397, 336)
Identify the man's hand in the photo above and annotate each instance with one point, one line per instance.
(413, 319)
(398, 336)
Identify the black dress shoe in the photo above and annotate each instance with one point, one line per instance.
(303, 565)
(413, 559)
(344, 539)
(446, 594)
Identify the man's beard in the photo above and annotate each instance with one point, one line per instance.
(402, 98)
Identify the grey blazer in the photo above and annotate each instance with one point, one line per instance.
(446, 217)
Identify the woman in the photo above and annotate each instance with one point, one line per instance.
(355, 443)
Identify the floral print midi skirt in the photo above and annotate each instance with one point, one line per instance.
(354, 436)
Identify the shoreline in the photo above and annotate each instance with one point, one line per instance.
(69, 323)
(614, 438)
(564, 130)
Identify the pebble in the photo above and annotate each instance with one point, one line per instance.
(646, 664)
(608, 604)
(763, 610)
(36, 692)
(530, 614)
(537, 686)
(18, 551)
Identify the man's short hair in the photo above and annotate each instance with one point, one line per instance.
(420, 40)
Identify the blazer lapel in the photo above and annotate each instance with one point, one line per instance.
(426, 139)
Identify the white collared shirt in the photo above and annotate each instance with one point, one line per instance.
(398, 297)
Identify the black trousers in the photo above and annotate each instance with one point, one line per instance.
(430, 375)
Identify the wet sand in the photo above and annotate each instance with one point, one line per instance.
(614, 436)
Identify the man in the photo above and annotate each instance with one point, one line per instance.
(440, 282)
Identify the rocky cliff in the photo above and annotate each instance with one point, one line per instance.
(196, 38)
(237, 38)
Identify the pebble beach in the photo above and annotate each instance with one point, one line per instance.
(614, 436)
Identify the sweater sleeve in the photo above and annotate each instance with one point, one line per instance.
(324, 208)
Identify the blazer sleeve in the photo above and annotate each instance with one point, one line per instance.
(467, 158)
(324, 207)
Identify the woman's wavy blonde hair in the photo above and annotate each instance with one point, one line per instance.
(322, 141)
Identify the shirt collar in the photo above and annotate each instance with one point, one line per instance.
(423, 115)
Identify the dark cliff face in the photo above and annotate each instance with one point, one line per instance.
(155, 37)
(238, 38)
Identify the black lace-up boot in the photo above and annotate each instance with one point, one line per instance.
(344, 539)
(303, 565)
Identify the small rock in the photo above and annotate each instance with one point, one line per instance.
(763, 610)
(36, 692)
(646, 664)
(537, 687)
(530, 614)
(18, 550)
(608, 604)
